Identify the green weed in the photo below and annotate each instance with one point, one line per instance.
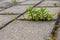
(39, 14)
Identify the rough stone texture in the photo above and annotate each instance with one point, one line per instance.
(49, 3)
(6, 18)
(2, 1)
(6, 2)
(15, 9)
(31, 2)
(26, 30)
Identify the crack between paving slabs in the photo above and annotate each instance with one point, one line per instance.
(19, 15)
(9, 13)
(48, 6)
(54, 32)
(33, 20)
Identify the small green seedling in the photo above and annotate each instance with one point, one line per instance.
(39, 14)
(54, 4)
(30, 11)
(49, 16)
(14, 1)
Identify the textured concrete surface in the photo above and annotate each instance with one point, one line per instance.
(26, 30)
(2, 1)
(31, 2)
(6, 18)
(15, 9)
(5, 2)
(49, 3)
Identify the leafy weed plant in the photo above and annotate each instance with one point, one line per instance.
(54, 4)
(14, 1)
(39, 14)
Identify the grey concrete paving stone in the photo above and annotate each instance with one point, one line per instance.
(16, 9)
(20, 0)
(4, 1)
(6, 18)
(26, 30)
(7, 3)
(49, 3)
(31, 2)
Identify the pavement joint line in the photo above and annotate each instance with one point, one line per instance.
(9, 13)
(24, 4)
(52, 0)
(33, 20)
(48, 6)
(37, 6)
(19, 16)
(11, 5)
(56, 27)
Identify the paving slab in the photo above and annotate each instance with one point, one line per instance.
(2, 1)
(15, 9)
(49, 3)
(26, 30)
(20, 0)
(8, 3)
(6, 18)
(31, 2)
